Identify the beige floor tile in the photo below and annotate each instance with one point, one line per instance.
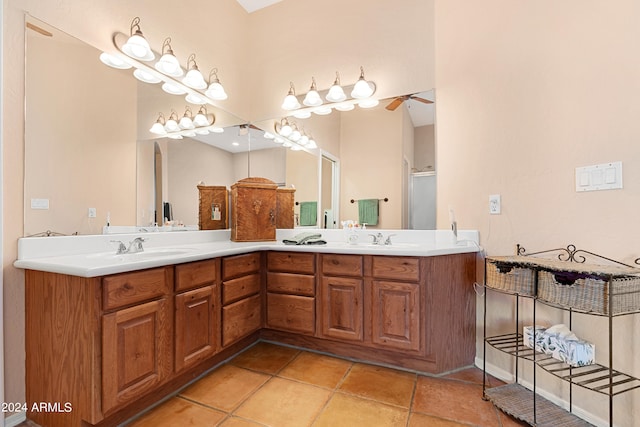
(454, 400)
(239, 422)
(350, 411)
(317, 369)
(422, 420)
(226, 387)
(265, 357)
(284, 403)
(382, 384)
(178, 412)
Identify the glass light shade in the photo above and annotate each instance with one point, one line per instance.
(168, 64)
(138, 47)
(312, 144)
(304, 140)
(190, 134)
(278, 140)
(217, 129)
(285, 130)
(322, 111)
(114, 61)
(172, 126)
(287, 144)
(295, 135)
(362, 89)
(344, 107)
(368, 103)
(186, 123)
(145, 76)
(201, 120)
(312, 99)
(216, 91)
(195, 99)
(268, 135)
(302, 114)
(173, 89)
(202, 131)
(194, 79)
(158, 129)
(336, 94)
(175, 136)
(290, 103)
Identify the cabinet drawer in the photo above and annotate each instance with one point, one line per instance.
(240, 265)
(395, 267)
(129, 288)
(291, 262)
(342, 265)
(287, 283)
(240, 319)
(291, 313)
(236, 289)
(196, 274)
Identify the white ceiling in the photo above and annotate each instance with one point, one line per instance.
(253, 5)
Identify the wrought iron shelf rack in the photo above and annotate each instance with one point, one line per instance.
(526, 404)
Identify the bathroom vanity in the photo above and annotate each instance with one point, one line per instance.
(111, 338)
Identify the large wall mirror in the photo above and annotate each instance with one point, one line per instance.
(88, 150)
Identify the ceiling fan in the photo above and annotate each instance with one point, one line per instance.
(400, 99)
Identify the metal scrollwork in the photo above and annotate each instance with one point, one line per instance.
(572, 254)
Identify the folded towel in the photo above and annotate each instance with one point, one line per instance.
(560, 343)
(368, 211)
(308, 238)
(308, 213)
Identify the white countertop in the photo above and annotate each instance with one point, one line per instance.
(92, 256)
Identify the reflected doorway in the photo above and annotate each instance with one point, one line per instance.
(157, 179)
(329, 182)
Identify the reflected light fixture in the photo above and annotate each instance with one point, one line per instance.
(194, 78)
(168, 63)
(158, 126)
(114, 61)
(172, 123)
(201, 118)
(336, 93)
(344, 107)
(290, 101)
(285, 128)
(173, 89)
(362, 88)
(302, 114)
(322, 111)
(312, 98)
(186, 122)
(195, 99)
(137, 46)
(145, 76)
(295, 134)
(368, 103)
(215, 90)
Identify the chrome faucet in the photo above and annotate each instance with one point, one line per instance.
(122, 249)
(135, 245)
(378, 239)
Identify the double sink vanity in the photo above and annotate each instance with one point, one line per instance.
(110, 334)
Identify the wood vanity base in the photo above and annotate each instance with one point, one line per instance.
(109, 347)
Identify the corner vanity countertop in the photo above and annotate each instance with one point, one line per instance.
(92, 256)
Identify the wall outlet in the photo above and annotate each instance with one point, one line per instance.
(92, 212)
(494, 204)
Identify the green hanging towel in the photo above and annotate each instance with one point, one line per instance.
(368, 211)
(308, 213)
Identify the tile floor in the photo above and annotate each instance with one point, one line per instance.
(271, 385)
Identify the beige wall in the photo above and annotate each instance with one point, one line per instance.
(526, 94)
(302, 173)
(425, 149)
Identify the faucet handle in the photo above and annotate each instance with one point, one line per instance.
(121, 247)
(388, 241)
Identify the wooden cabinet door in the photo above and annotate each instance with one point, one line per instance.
(342, 308)
(241, 318)
(196, 327)
(136, 352)
(293, 313)
(395, 314)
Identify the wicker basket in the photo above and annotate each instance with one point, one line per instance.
(508, 276)
(589, 293)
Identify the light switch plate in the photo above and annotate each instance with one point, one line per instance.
(605, 176)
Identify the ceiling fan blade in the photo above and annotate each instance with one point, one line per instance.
(425, 101)
(394, 104)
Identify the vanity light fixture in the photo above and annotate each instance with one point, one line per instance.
(295, 134)
(173, 89)
(290, 101)
(158, 126)
(269, 135)
(168, 63)
(335, 96)
(362, 89)
(137, 46)
(312, 98)
(336, 93)
(368, 103)
(201, 118)
(186, 122)
(194, 98)
(172, 123)
(114, 61)
(194, 78)
(145, 76)
(215, 90)
(289, 135)
(284, 128)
